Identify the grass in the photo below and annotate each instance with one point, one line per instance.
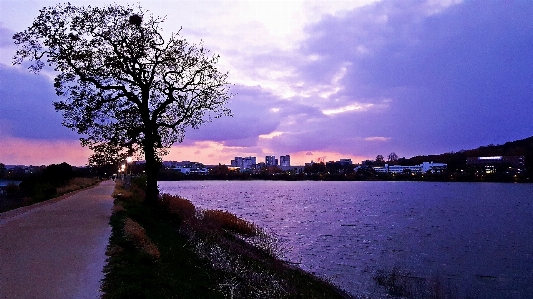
(174, 250)
(42, 192)
(77, 184)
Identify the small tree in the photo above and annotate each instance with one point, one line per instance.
(380, 159)
(107, 157)
(392, 157)
(122, 81)
(3, 170)
(58, 174)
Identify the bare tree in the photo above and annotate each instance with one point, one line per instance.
(122, 82)
(392, 157)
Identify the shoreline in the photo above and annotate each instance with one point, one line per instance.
(181, 250)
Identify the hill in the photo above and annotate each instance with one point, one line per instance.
(457, 160)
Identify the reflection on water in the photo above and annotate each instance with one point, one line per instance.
(476, 238)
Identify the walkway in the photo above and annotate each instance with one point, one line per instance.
(56, 249)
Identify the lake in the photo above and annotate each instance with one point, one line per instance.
(474, 239)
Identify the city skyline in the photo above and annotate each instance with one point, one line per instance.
(315, 79)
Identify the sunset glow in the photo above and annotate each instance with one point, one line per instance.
(315, 79)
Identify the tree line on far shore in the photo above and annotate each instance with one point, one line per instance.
(36, 184)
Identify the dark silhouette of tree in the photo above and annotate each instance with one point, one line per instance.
(122, 81)
(315, 168)
(380, 159)
(106, 157)
(58, 174)
(3, 170)
(392, 157)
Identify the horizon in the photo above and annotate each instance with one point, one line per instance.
(315, 80)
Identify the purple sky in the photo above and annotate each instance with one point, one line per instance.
(317, 79)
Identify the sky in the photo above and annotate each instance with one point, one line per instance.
(315, 79)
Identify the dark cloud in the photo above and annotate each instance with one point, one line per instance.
(26, 109)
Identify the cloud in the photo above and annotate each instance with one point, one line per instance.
(377, 138)
(455, 76)
(6, 37)
(252, 116)
(26, 109)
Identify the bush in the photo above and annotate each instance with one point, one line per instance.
(139, 181)
(178, 206)
(218, 219)
(12, 190)
(136, 233)
(58, 174)
(38, 191)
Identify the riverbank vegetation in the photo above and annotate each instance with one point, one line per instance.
(174, 250)
(41, 184)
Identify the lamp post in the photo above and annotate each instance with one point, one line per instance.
(128, 161)
(128, 178)
(123, 170)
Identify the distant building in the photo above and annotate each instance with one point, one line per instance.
(514, 161)
(494, 164)
(271, 161)
(245, 163)
(345, 161)
(433, 167)
(237, 162)
(421, 168)
(285, 160)
(186, 167)
(293, 169)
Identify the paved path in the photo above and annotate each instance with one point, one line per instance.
(56, 250)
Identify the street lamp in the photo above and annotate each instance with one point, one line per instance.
(129, 160)
(128, 177)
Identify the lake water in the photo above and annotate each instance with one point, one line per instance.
(476, 239)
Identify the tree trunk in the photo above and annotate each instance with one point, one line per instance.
(152, 170)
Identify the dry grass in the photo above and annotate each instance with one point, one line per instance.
(77, 184)
(136, 233)
(121, 193)
(212, 220)
(218, 219)
(178, 206)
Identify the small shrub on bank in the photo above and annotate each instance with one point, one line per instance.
(132, 192)
(136, 233)
(178, 206)
(218, 219)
